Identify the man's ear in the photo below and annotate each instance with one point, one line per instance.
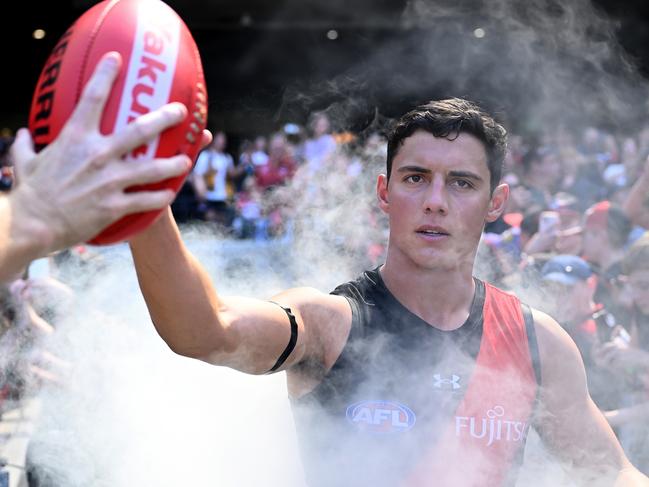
(382, 192)
(498, 202)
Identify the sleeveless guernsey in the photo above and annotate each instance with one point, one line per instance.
(407, 404)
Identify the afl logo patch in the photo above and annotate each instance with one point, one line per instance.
(381, 417)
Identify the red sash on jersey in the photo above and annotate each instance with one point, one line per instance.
(485, 438)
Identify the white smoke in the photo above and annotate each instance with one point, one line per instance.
(134, 413)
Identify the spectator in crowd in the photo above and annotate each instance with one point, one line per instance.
(630, 358)
(519, 195)
(589, 184)
(570, 233)
(25, 361)
(570, 286)
(559, 232)
(321, 145)
(596, 144)
(245, 167)
(541, 173)
(606, 233)
(570, 278)
(259, 156)
(617, 174)
(280, 166)
(213, 168)
(249, 221)
(295, 139)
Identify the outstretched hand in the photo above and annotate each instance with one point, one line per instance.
(75, 187)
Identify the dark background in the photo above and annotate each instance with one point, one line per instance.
(270, 62)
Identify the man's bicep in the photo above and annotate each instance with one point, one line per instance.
(267, 336)
(258, 332)
(567, 419)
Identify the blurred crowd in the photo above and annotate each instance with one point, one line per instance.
(572, 242)
(239, 196)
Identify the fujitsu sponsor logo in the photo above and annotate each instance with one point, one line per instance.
(493, 427)
(151, 68)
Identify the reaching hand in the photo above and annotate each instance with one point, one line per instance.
(74, 188)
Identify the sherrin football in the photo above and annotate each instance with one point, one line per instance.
(161, 64)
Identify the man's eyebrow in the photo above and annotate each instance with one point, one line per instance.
(414, 169)
(455, 174)
(465, 174)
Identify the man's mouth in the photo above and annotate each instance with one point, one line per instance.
(433, 231)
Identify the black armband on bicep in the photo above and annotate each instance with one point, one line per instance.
(292, 341)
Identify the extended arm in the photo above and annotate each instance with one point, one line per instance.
(569, 422)
(243, 333)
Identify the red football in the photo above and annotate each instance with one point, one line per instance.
(161, 64)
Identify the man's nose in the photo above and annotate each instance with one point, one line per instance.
(436, 197)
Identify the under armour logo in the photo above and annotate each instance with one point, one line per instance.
(442, 382)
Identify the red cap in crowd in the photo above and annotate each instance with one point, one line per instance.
(611, 218)
(597, 215)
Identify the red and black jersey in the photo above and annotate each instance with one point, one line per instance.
(407, 404)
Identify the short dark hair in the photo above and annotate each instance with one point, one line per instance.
(448, 119)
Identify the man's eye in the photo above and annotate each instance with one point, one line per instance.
(463, 183)
(414, 178)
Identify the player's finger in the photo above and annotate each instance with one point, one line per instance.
(139, 201)
(96, 91)
(144, 172)
(146, 127)
(206, 139)
(22, 153)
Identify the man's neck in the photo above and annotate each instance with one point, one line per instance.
(441, 297)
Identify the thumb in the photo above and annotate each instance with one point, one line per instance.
(22, 154)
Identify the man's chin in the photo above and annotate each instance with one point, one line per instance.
(437, 263)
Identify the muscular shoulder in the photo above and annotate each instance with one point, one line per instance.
(326, 322)
(312, 300)
(316, 309)
(562, 368)
(326, 319)
(552, 337)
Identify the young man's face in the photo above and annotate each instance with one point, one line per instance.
(438, 200)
